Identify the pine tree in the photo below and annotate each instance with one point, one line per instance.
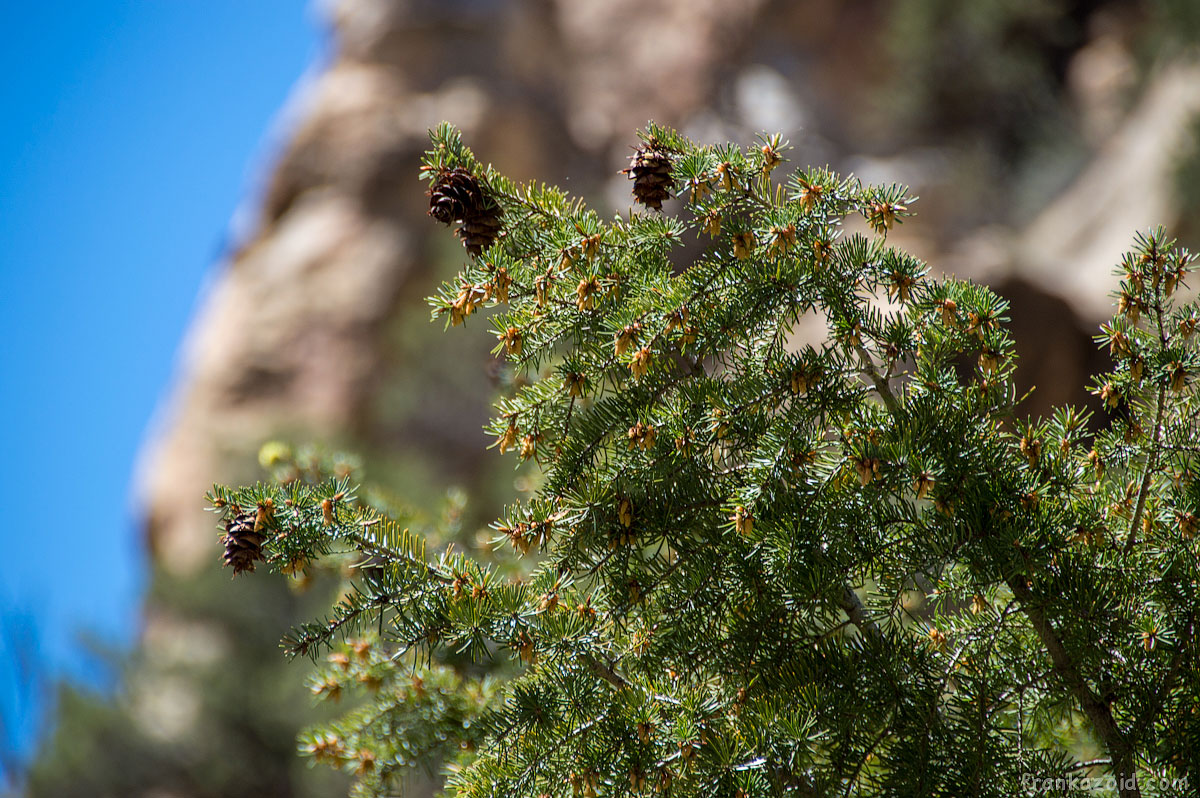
(757, 565)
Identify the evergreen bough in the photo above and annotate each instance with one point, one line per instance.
(759, 564)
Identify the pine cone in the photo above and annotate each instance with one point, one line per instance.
(478, 232)
(457, 196)
(243, 546)
(650, 170)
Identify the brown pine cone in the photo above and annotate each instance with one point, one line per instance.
(243, 546)
(454, 196)
(458, 196)
(650, 170)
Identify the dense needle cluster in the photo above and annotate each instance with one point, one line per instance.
(761, 564)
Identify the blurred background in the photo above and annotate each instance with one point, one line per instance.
(212, 235)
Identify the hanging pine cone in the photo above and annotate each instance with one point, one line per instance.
(457, 196)
(454, 196)
(650, 171)
(479, 231)
(243, 545)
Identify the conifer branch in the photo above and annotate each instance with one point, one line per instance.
(1097, 710)
(881, 387)
(1151, 467)
(852, 605)
(1176, 668)
(605, 672)
(708, 497)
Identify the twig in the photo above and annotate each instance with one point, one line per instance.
(606, 673)
(854, 609)
(1151, 465)
(881, 386)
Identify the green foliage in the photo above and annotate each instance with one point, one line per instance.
(759, 562)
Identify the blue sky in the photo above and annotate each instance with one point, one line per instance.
(130, 132)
